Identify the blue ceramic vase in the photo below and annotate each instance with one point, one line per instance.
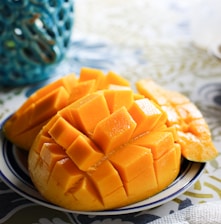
(34, 36)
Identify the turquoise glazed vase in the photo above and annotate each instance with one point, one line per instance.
(34, 36)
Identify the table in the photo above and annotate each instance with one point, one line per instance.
(141, 38)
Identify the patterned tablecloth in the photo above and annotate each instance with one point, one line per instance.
(137, 38)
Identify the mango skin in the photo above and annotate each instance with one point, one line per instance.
(110, 160)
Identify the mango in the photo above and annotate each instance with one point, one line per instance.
(24, 125)
(95, 144)
(104, 155)
(193, 132)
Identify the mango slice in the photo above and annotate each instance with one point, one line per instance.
(96, 156)
(193, 132)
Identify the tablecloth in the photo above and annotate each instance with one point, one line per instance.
(136, 38)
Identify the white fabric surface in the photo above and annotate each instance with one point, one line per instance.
(208, 213)
(205, 25)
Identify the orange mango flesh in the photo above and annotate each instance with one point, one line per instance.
(29, 123)
(115, 79)
(146, 115)
(114, 96)
(92, 74)
(107, 134)
(88, 111)
(23, 126)
(95, 144)
(193, 132)
(105, 161)
(38, 109)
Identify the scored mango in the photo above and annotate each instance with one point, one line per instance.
(96, 144)
(106, 156)
(23, 126)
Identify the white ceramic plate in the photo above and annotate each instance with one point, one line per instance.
(13, 171)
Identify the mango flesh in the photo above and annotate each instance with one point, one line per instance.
(95, 144)
(192, 130)
(23, 126)
(81, 161)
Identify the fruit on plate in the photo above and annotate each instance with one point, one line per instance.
(96, 144)
(102, 152)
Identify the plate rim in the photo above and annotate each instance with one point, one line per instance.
(34, 196)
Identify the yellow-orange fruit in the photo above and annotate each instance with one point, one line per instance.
(193, 132)
(23, 126)
(101, 152)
